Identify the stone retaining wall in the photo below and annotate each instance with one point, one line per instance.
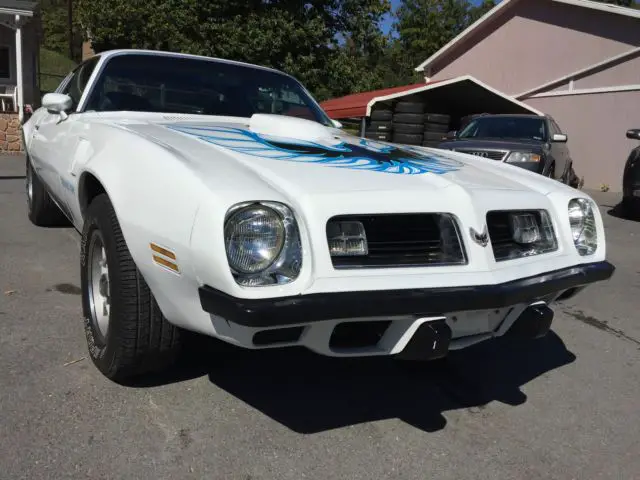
(10, 134)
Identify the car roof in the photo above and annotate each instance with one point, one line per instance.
(511, 115)
(137, 51)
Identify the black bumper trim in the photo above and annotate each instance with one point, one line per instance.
(281, 311)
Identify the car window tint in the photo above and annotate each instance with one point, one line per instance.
(78, 81)
(505, 127)
(158, 83)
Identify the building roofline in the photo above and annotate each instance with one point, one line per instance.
(465, 33)
(579, 73)
(478, 24)
(24, 8)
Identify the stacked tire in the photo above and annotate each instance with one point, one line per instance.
(381, 125)
(436, 126)
(408, 123)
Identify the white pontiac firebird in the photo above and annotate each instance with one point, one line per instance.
(217, 197)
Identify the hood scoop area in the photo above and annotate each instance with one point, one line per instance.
(292, 128)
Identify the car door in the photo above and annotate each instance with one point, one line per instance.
(559, 150)
(55, 139)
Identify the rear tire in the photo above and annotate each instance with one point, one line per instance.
(407, 128)
(382, 115)
(435, 136)
(440, 118)
(127, 335)
(413, 118)
(408, 138)
(380, 136)
(382, 126)
(42, 210)
(409, 107)
(436, 127)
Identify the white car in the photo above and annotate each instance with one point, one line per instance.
(217, 197)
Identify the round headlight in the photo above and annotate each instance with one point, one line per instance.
(583, 226)
(254, 237)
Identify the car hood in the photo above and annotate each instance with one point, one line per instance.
(511, 145)
(302, 157)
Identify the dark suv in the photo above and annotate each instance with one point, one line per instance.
(631, 178)
(531, 141)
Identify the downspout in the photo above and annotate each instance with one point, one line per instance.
(19, 80)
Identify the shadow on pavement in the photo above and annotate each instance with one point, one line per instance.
(309, 393)
(618, 211)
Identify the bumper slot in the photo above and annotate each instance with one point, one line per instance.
(350, 335)
(275, 336)
(424, 302)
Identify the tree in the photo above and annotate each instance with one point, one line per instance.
(55, 26)
(424, 26)
(327, 44)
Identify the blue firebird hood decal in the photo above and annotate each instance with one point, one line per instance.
(366, 155)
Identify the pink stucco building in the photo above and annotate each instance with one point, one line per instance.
(577, 60)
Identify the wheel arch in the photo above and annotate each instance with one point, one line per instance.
(89, 187)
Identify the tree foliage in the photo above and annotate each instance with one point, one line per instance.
(424, 26)
(55, 26)
(334, 47)
(318, 41)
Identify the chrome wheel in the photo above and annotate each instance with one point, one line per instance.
(98, 283)
(29, 182)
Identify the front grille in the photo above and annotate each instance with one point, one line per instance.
(405, 240)
(502, 236)
(491, 154)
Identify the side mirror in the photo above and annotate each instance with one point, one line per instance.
(634, 134)
(451, 134)
(57, 103)
(336, 124)
(559, 138)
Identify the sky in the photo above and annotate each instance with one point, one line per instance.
(386, 23)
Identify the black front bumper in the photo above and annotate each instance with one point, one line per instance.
(280, 311)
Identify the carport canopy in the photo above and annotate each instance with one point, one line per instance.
(458, 97)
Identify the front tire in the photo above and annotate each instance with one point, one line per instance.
(127, 334)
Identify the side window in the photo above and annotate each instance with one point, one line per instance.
(78, 81)
(554, 127)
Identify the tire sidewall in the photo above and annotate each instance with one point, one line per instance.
(103, 354)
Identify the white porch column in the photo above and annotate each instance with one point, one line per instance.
(19, 81)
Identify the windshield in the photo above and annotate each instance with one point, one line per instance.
(505, 127)
(160, 83)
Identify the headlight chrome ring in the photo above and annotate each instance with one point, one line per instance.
(262, 244)
(583, 226)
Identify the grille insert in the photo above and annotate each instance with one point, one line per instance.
(491, 154)
(405, 240)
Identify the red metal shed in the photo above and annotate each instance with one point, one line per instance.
(458, 97)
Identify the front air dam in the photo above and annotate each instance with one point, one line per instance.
(430, 342)
(534, 322)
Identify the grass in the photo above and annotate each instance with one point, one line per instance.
(54, 67)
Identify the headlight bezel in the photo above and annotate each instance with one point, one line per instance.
(583, 227)
(524, 157)
(286, 265)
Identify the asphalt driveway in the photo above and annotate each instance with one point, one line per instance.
(566, 406)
